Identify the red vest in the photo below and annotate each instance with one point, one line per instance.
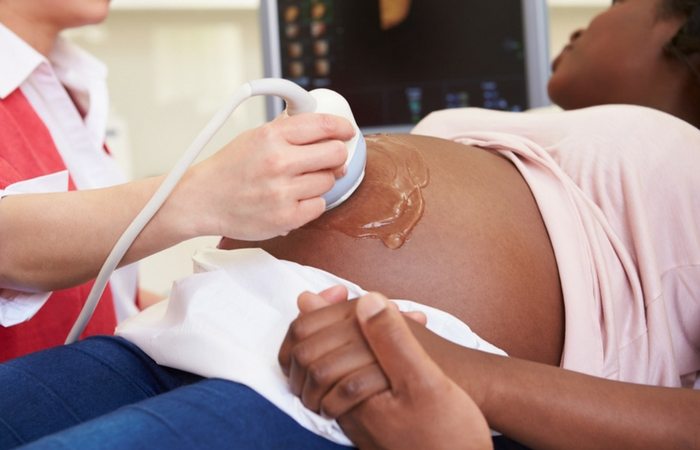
(27, 151)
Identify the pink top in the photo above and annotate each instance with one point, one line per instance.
(618, 188)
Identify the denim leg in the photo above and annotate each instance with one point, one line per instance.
(104, 393)
(54, 389)
(211, 414)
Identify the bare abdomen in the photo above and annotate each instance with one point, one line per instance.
(479, 251)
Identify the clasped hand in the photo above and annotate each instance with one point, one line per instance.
(359, 362)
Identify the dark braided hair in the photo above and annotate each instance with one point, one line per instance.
(686, 42)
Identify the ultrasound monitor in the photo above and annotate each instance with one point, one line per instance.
(395, 61)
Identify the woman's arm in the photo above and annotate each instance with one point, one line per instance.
(421, 394)
(547, 407)
(266, 182)
(538, 405)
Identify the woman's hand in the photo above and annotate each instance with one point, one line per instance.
(333, 369)
(269, 180)
(423, 407)
(322, 345)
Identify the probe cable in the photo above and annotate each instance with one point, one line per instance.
(298, 100)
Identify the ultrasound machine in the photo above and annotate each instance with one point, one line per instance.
(395, 61)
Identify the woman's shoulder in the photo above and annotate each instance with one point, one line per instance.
(633, 136)
(478, 119)
(645, 120)
(606, 131)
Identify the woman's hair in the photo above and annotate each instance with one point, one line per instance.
(686, 43)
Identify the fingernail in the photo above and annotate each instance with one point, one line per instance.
(370, 305)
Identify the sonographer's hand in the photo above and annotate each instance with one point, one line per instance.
(269, 180)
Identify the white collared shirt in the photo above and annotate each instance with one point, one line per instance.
(80, 142)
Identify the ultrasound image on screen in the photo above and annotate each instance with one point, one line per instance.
(397, 60)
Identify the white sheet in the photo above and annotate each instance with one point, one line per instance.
(229, 320)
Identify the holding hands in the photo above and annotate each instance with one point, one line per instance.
(359, 362)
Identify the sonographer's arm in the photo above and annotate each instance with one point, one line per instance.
(543, 407)
(264, 183)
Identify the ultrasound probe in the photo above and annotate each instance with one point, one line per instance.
(298, 101)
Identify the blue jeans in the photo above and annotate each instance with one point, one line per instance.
(105, 393)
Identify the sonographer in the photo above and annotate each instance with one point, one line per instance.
(64, 203)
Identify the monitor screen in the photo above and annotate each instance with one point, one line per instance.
(395, 61)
